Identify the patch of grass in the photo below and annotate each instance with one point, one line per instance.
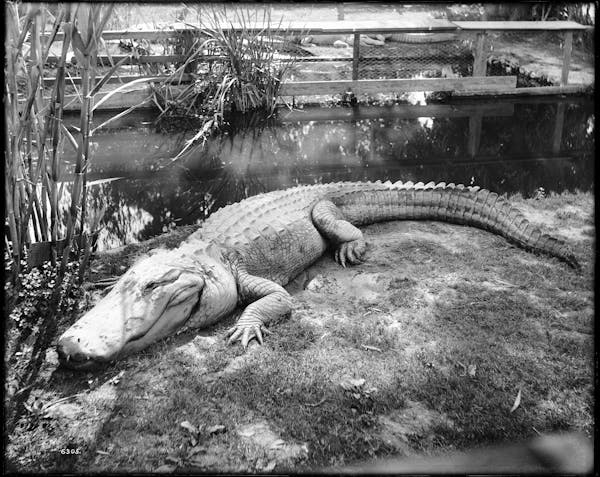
(294, 335)
(495, 333)
(339, 426)
(404, 292)
(373, 331)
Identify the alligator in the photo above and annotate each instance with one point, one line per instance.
(379, 39)
(245, 253)
(419, 37)
(340, 40)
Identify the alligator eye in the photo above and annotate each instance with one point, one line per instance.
(150, 286)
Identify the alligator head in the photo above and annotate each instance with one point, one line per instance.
(162, 293)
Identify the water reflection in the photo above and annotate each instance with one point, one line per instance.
(508, 146)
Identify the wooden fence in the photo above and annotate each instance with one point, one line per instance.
(477, 84)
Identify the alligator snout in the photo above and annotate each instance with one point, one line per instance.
(74, 352)
(69, 354)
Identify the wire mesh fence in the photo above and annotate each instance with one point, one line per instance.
(400, 55)
(430, 55)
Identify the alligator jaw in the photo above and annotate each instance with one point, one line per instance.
(129, 319)
(73, 362)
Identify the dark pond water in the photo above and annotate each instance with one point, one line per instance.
(507, 146)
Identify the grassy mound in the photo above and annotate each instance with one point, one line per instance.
(421, 349)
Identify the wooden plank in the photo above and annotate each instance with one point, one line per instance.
(316, 27)
(355, 56)
(491, 86)
(346, 26)
(104, 60)
(475, 125)
(302, 88)
(480, 59)
(185, 78)
(533, 91)
(459, 99)
(403, 111)
(567, 49)
(559, 122)
(133, 34)
(119, 101)
(322, 59)
(145, 59)
(521, 25)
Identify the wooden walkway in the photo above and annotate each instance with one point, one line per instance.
(477, 84)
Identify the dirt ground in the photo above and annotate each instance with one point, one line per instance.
(425, 348)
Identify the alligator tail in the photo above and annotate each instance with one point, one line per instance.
(455, 204)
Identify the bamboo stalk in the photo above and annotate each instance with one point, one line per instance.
(12, 226)
(85, 44)
(11, 113)
(57, 110)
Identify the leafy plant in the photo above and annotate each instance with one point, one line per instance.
(232, 66)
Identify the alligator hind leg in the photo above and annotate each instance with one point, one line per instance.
(349, 241)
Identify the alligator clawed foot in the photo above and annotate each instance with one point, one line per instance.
(351, 252)
(246, 331)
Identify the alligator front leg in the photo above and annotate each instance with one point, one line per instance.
(268, 303)
(349, 241)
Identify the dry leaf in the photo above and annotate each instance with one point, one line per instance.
(216, 429)
(166, 468)
(371, 348)
(196, 450)
(116, 379)
(277, 444)
(248, 433)
(350, 384)
(189, 427)
(517, 402)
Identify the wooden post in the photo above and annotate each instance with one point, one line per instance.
(559, 122)
(475, 121)
(567, 48)
(480, 61)
(355, 56)
(374, 124)
(340, 10)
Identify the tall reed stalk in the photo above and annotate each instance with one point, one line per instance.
(90, 20)
(34, 131)
(34, 137)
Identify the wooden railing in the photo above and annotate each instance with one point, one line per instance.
(478, 84)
